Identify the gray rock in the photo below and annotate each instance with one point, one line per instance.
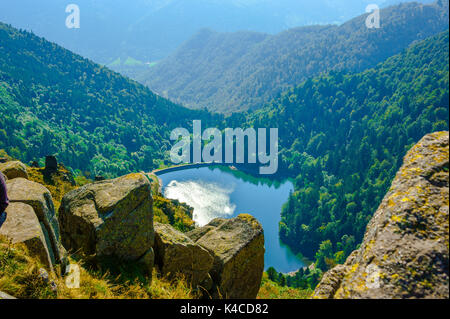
(237, 246)
(178, 254)
(404, 253)
(109, 218)
(21, 190)
(22, 226)
(14, 169)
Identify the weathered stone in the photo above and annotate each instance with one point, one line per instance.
(405, 249)
(199, 232)
(14, 169)
(109, 218)
(238, 248)
(22, 226)
(21, 190)
(178, 254)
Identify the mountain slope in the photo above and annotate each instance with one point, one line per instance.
(411, 223)
(148, 30)
(55, 102)
(344, 137)
(237, 75)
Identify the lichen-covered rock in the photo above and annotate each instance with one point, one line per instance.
(14, 169)
(405, 252)
(178, 254)
(237, 246)
(148, 260)
(21, 190)
(111, 218)
(22, 226)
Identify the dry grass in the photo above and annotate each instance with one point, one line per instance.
(19, 277)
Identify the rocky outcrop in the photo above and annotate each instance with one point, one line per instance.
(21, 190)
(111, 218)
(405, 252)
(22, 226)
(51, 164)
(178, 254)
(237, 246)
(14, 169)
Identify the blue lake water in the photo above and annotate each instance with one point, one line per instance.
(221, 192)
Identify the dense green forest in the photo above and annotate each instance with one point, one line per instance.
(244, 70)
(344, 137)
(55, 102)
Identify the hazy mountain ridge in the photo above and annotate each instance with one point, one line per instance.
(149, 30)
(201, 74)
(53, 101)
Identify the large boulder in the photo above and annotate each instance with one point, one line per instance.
(178, 254)
(237, 246)
(22, 226)
(111, 218)
(14, 169)
(404, 253)
(21, 190)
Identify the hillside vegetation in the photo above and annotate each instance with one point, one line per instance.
(149, 30)
(21, 277)
(21, 269)
(55, 102)
(344, 137)
(241, 71)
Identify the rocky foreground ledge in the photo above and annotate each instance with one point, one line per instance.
(113, 220)
(405, 252)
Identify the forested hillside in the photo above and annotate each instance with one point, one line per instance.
(235, 72)
(55, 102)
(344, 137)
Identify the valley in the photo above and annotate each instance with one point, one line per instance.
(351, 108)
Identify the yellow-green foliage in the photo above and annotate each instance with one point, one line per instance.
(3, 154)
(166, 211)
(272, 290)
(58, 183)
(251, 220)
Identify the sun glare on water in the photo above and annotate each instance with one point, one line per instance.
(209, 200)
